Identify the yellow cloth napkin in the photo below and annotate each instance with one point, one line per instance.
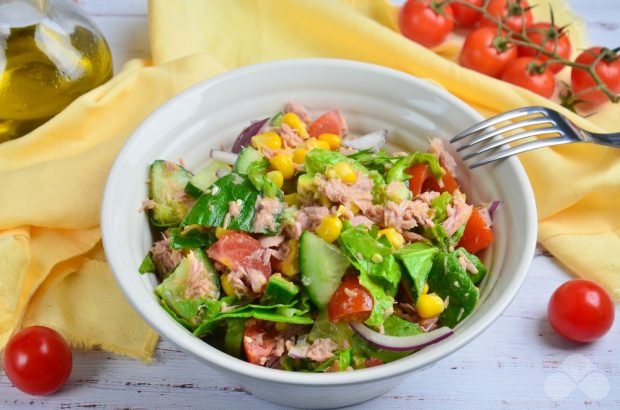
(52, 271)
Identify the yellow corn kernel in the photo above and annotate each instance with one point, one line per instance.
(299, 155)
(333, 140)
(290, 265)
(322, 145)
(280, 326)
(226, 285)
(313, 143)
(276, 177)
(291, 199)
(425, 289)
(305, 184)
(324, 200)
(429, 305)
(398, 192)
(219, 232)
(345, 172)
(329, 228)
(284, 164)
(395, 238)
(269, 140)
(293, 121)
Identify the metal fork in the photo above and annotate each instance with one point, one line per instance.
(556, 128)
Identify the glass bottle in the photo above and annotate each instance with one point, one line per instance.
(50, 54)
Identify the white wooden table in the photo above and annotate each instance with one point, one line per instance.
(518, 363)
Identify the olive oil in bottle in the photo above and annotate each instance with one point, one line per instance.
(49, 56)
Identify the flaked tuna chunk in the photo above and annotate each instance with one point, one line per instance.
(322, 349)
(361, 220)
(271, 241)
(245, 281)
(458, 213)
(428, 196)
(234, 208)
(446, 159)
(298, 110)
(290, 138)
(358, 193)
(403, 216)
(200, 282)
(307, 218)
(265, 217)
(164, 257)
(466, 263)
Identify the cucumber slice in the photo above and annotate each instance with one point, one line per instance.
(166, 190)
(246, 157)
(322, 266)
(205, 177)
(279, 291)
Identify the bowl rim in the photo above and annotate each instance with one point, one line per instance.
(222, 360)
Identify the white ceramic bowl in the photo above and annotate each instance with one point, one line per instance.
(211, 114)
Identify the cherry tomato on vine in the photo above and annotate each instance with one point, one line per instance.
(466, 16)
(527, 72)
(552, 38)
(426, 22)
(581, 310)
(487, 53)
(515, 12)
(608, 70)
(38, 360)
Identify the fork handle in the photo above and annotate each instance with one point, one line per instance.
(610, 139)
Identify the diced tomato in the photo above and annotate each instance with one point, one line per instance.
(351, 301)
(239, 250)
(331, 122)
(373, 361)
(450, 184)
(259, 341)
(419, 173)
(478, 235)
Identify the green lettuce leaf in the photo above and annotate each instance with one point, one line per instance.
(211, 209)
(417, 258)
(398, 172)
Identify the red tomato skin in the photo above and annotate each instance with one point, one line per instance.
(331, 122)
(350, 302)
(420, 23)
(541, 83)
(581, 310)
(419, 173)
(608, 71)
(499, 9)
(465, 16)
(256, 352)
(561, 45)
(236, 249)
(479, 54)
(477, 235)
(38, 360)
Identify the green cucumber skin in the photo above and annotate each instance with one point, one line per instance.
(322, 267)
(246, 157)
(166, 181)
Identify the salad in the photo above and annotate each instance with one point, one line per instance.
(306, 248)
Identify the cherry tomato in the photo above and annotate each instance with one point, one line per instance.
(465, 16)
(449, 183)
(552, 39)
(477, 235)
(426, 23)
(259, 341)
(521, 73)
(480, 52)
(515, 13)
(608, 69)
(351, 301)
(38, 360)
(239, 250)
(581, 310)
(419, 173)
(331, 122)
